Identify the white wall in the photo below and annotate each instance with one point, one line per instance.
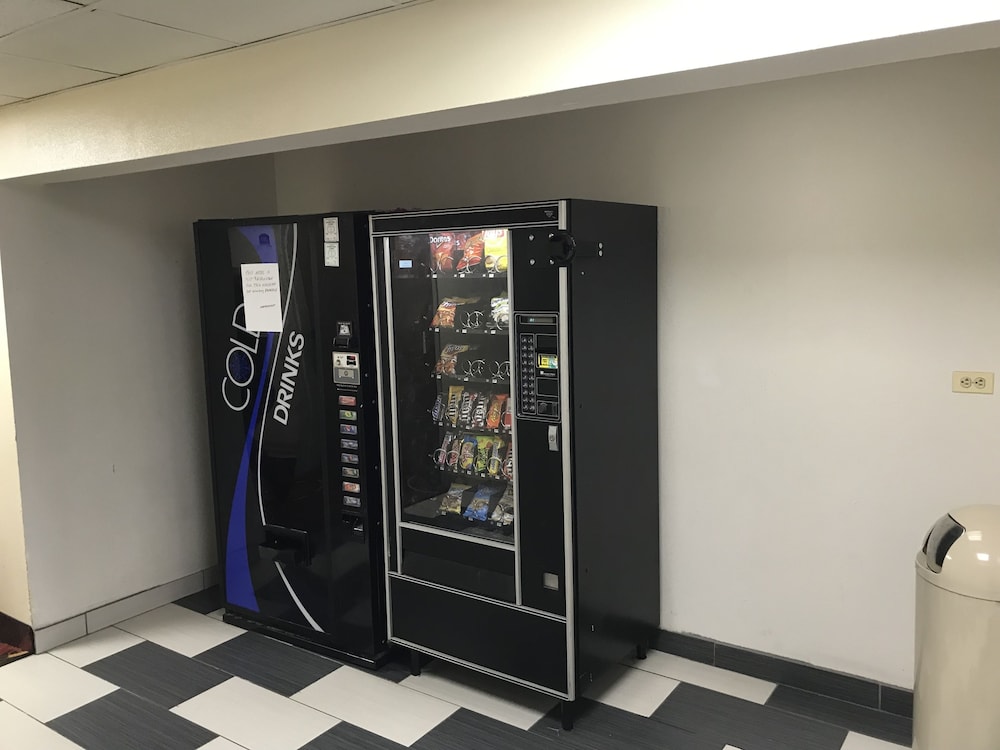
(455, 62)
(13, 567)
(829, 255)
(106, 363)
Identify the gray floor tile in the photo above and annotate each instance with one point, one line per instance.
(884, 726)
(271, 664)
(346, 736)
(465, 729)
(122, 721)
(748, 726)
(157, 674)
(601, 727)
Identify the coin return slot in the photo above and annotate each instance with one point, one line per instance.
(550, 581)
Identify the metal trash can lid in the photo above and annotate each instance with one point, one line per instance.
(961, 552)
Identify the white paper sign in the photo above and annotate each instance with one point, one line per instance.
(331, 253)
(261, 296)
(331, 229)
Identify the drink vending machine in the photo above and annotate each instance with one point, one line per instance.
(518, 379)
(287, 322)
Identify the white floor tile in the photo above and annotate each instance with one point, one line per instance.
(720, 680)
(631, 690)
(857, 741)
(221, 743)
(498, 699)
(95, 647)
(180, 629)
(255, 718)
(20, 731)
(45, 687)
(385, 708)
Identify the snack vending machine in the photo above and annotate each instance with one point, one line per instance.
(287, 324)
(517, 355)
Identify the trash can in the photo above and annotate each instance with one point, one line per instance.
(957, 673)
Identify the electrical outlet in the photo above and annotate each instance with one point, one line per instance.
(963, 381)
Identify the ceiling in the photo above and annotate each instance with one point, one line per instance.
(50, 45)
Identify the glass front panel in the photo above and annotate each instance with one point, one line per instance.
(450, 323)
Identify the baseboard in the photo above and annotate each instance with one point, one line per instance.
(15, 633)
(112, 613)
(845, 687)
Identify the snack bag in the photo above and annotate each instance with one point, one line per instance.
(508, 462)
(503, 514)
(455, 450)
(479, 413)
(500, 312)
(438, 410)
(448, 360)
(495, 250)
(452, 500)
(508, 415)
(495, 413)
(472, 253)
(467, 455)
(454, 404)
(484, 447)
(444, 317)
(442, 250)
(479, 507)
(465, 413)
(495, 463)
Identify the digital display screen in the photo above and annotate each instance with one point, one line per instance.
(548, 362)
(540, 319)
(406, 263)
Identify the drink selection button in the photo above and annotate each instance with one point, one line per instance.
(347, 400)
(352, 487)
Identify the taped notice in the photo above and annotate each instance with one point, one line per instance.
(331, 254)
(261, 296)
(331, 229)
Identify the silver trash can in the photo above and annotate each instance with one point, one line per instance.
(956, 696)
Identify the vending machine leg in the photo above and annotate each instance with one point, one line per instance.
(640, 650)
(415, 660)
(568, 713)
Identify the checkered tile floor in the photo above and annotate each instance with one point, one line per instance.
(179, 679)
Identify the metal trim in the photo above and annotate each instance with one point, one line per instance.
(513, 390)
(394, 397)
(380, 383)
(456, 535)
(478, 668)
(468, 210)
(478, 597)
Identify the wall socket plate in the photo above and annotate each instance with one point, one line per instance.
(965, 381)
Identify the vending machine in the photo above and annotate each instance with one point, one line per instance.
(287, 323)
(518, 364)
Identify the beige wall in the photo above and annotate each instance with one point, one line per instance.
(454, 62)
(108, 380)
(13, 566)
(828, 257)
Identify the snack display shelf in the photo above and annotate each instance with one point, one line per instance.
(467, 379)
(454, 470)
(472, 331)
(472, 430)
(467, 275)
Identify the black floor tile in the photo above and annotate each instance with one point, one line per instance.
(897, 701)
(157, 674)
(687, 646)
(272, 664)
(600, 727)
(203, 602)
(346, 736)
(802, 676)
(880, 724)
(122, 721)
(749, 726)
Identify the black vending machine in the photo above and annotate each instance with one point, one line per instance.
(518, 356)
(287, 324)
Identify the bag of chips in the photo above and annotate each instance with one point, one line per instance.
(503, 514)
(448, 360)
(500, 312)
(472, 253)
(484, 447)
(467, 454)
(452, 500)
(442, 251)
(444, 317)
(494, 465)
(479, 506)
(495, 250)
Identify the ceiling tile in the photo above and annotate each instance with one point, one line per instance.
(242, 21)
(105, 41)
(16, 14)
(22, 77)
(7, 99)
